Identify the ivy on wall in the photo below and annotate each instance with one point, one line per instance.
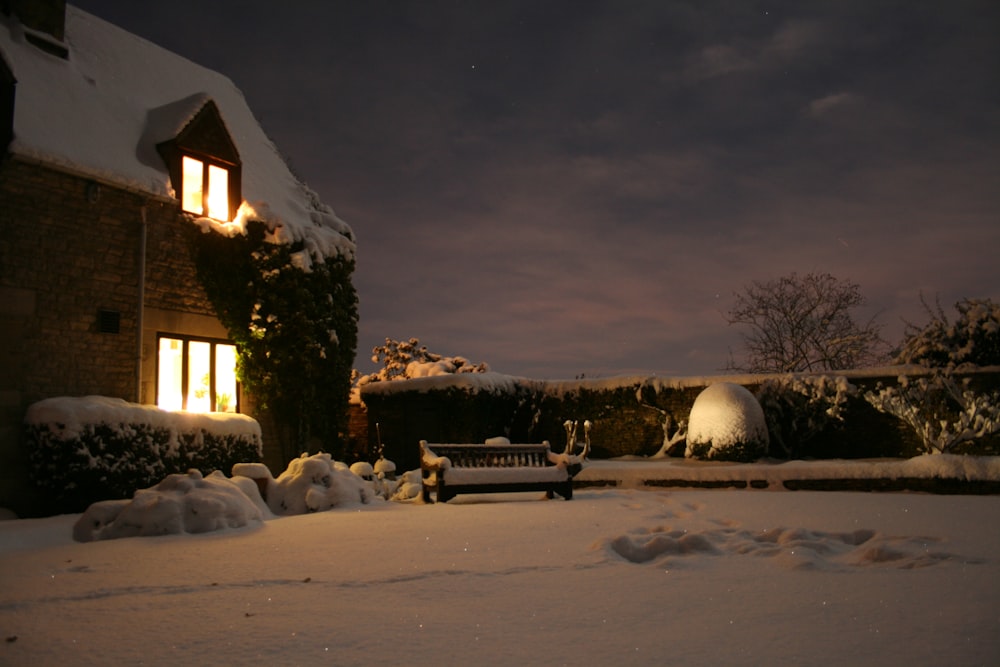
(295, 331)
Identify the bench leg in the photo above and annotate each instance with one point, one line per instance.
(443, 495)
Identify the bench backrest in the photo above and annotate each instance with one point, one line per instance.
(494, 456)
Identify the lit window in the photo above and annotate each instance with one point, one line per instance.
(196, 375)
(204, 191)
(193, 197)
(218, 193)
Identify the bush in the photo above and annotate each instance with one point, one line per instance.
(972, 339)
(726, 424)
(82, 450)
(945, 413)
(797, 409)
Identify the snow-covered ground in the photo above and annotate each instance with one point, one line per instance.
(614, 577)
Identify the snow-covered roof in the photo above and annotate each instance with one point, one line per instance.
(101, 111)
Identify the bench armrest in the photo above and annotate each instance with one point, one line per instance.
(431, 461)
(570, 462)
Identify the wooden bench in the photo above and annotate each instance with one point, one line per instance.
(495, 467)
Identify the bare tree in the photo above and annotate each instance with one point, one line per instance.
(804, 323)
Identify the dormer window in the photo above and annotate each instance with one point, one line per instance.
(205, 188)
(201, 158)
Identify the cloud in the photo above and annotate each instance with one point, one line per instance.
(831, 104)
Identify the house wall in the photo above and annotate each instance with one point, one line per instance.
(69, 247)
(63, 257)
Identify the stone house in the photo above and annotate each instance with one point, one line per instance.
(115, 154)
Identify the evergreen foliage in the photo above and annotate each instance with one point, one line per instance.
(799, 408)
(295, 330)
(111, 461)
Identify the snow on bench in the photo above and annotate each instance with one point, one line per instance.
(495, 467)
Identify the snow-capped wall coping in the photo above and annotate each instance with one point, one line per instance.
(498, 383)
(101, 111)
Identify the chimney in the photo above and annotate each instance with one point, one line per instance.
(44, 22)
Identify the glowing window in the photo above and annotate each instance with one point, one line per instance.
(204, 191)
(218, 193)
(193, 195)
(196, 375)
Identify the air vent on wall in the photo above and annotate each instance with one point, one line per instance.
(109, 321)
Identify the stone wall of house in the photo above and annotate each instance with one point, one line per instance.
(67, 255)
(69, 299)
(627, 416)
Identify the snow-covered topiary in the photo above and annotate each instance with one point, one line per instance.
(726, 423)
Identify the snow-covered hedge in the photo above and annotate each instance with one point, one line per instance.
(798, 408)
(94, 448)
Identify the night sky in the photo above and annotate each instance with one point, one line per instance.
(579, 187)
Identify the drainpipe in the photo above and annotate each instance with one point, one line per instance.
(142, 304)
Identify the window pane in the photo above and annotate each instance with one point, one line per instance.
(199, 398)
(192, 196)
(169, 390)
(218, 193)
(225, 378)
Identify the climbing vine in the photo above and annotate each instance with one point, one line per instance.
(295, 330)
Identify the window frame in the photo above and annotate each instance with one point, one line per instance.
(207, 161)
(186, 340)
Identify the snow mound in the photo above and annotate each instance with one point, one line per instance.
(788, 548)
(180, 503)
(315, 483)
(726, 422)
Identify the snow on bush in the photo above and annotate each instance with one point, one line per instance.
(943, 412)
(187, 503)
(726, 423)
(798, 408)
(407, 359)
(972, 339)
(97, 448)
(311, 483)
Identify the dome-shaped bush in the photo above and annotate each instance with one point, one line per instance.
(726, 423)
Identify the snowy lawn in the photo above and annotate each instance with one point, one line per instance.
(613, 577)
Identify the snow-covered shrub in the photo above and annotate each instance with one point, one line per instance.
(798, 408)
(403, 360)
(86, 449)
(188, 503)
(973, 338)
(311, 483)
(944, 413)
(726, 423)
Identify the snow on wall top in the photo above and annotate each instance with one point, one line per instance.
(101, 112)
